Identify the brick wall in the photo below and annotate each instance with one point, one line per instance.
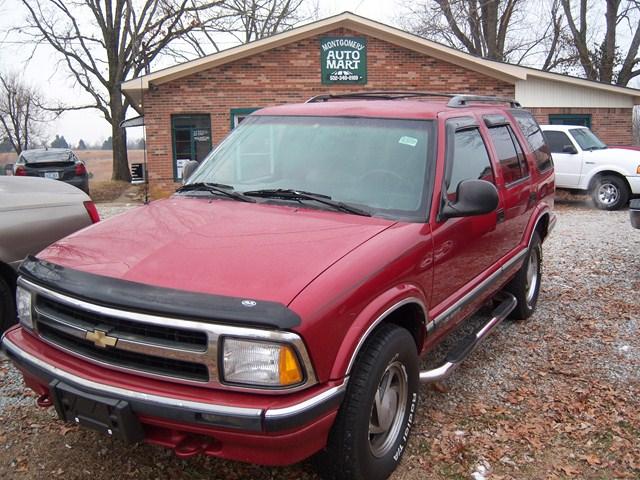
(290, 74)
(612, 125)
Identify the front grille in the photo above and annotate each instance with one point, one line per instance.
(183, 339)
(126, 359)
(178, 353)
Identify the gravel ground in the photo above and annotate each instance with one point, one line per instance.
(556, 396)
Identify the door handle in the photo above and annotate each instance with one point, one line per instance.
(500, 215)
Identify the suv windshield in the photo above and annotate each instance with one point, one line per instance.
(587, 139)
(378, 165)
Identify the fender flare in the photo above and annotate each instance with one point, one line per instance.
(372, 315)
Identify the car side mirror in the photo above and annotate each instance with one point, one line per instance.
(8, 169)
(570, 149)
(188, 169)
(474, 197)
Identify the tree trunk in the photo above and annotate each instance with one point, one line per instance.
(119, 137)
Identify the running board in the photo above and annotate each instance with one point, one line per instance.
(469, 343)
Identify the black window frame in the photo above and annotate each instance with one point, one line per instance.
(454, 126)
(543, 159)
(561, 132)
(519, 155)
(182, 116)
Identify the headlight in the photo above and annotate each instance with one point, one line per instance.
(263, 364)
(23, 306)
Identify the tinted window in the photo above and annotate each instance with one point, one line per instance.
(512, 164)
(533, 134)
(557, 141)
(470, 160)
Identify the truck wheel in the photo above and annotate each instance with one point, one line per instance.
(371, 430)
(610, 192)
(7, 306)
(525, 286)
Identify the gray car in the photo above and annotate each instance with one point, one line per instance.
(34, 212)
(54, 163)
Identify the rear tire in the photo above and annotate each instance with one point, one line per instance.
(610, 192)
(525, 286)
(371, 430)
(7, 306)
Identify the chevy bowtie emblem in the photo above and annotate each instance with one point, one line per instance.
(101, 339)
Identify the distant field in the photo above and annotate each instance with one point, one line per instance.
(98, 161)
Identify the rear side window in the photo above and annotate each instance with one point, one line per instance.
(557, 141)
(535, 139)
(470, 160)
(512, 161)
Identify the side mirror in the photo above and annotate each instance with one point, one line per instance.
(8, 169)
(188, 169)
(475, 197)
(570, 149)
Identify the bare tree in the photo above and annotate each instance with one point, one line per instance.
(101, 44)
(603, 60)
(476, 26)
(21, 112)
(502, 30)
(242, 21)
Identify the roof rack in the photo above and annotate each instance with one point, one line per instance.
(457, 99)
(463, 100)
(380, 95)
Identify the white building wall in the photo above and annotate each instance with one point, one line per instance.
(537, 92)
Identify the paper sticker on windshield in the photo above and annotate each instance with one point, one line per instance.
(411, 141)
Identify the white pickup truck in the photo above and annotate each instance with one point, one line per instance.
(583, 162)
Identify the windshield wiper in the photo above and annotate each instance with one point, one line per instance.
(291, 194)
(218, 188)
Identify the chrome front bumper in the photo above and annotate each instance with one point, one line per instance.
(210, 414)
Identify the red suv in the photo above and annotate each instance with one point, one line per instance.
(278, 305)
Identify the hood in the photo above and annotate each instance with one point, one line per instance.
(221, 247)
(621, 154)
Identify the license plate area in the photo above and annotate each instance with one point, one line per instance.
(54, 175)
(110, 416)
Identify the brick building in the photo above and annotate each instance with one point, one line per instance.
(189, 107)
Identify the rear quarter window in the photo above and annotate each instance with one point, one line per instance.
(531, 131)
(510, 156)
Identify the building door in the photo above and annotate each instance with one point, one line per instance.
(191, 140)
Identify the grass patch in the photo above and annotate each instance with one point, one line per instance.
(108, 190)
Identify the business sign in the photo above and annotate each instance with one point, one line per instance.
(343, 60)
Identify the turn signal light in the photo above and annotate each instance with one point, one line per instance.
(638, 169)
(290, 372)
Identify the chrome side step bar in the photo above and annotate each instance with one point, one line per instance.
(469, 343)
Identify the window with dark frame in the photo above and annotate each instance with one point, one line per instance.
(557, 141)
(582, 119)
(470, 160)
(237, 115)
(513, 164)
(191, 137)
(535, 139)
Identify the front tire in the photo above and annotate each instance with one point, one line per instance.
(525, 286)
(610, 192)
(371, 430)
